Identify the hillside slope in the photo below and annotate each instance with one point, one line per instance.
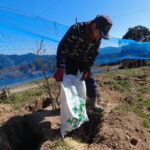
(125, 125)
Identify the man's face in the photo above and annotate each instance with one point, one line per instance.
(95, 32)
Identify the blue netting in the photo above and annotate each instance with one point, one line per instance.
(115, 49)
(20, 37)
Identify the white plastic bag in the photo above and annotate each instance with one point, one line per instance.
(73, 103)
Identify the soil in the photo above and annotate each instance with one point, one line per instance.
(39, 129)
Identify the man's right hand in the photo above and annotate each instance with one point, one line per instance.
(59, 74)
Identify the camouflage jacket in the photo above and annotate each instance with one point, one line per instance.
(76, 45)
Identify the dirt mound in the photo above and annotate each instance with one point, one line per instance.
(6, 112)
(36, 105)
(122, 131)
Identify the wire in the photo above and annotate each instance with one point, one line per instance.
(17, 11)
(29, 14)
(58, 1)
(133, 12)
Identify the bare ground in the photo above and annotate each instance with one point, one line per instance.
(116, 130)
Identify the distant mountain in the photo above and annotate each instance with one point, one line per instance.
(28, 62)
(21, 60)
(107, 55)
(16, 69)
(109, 50)
(134, 50)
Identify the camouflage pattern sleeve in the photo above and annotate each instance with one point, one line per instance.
(67, 43)
(91, 57)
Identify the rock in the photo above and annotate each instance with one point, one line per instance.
(133, 141)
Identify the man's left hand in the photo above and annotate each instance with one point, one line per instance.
(85, 75)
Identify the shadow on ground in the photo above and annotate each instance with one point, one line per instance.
(28, 131)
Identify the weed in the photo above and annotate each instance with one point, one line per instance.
(146, 123)
(61, 143)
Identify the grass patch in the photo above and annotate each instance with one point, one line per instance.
(146, 117)
(134, 95)
(16, 99)
(125, 85)
(126, 72)
(23, 96)
(35, 82)
(140, 96)
(15, 107)
(147, 104)
(146, 123)
(143, 89)
(61, 143)
(128, 108)
(122, 107)
(130, 72)
(121, 85)
(77, 139)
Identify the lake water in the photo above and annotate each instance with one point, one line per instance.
(9, 80)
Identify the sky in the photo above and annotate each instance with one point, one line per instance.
(124, 13)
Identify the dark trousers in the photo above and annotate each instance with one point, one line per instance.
(72, 67)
